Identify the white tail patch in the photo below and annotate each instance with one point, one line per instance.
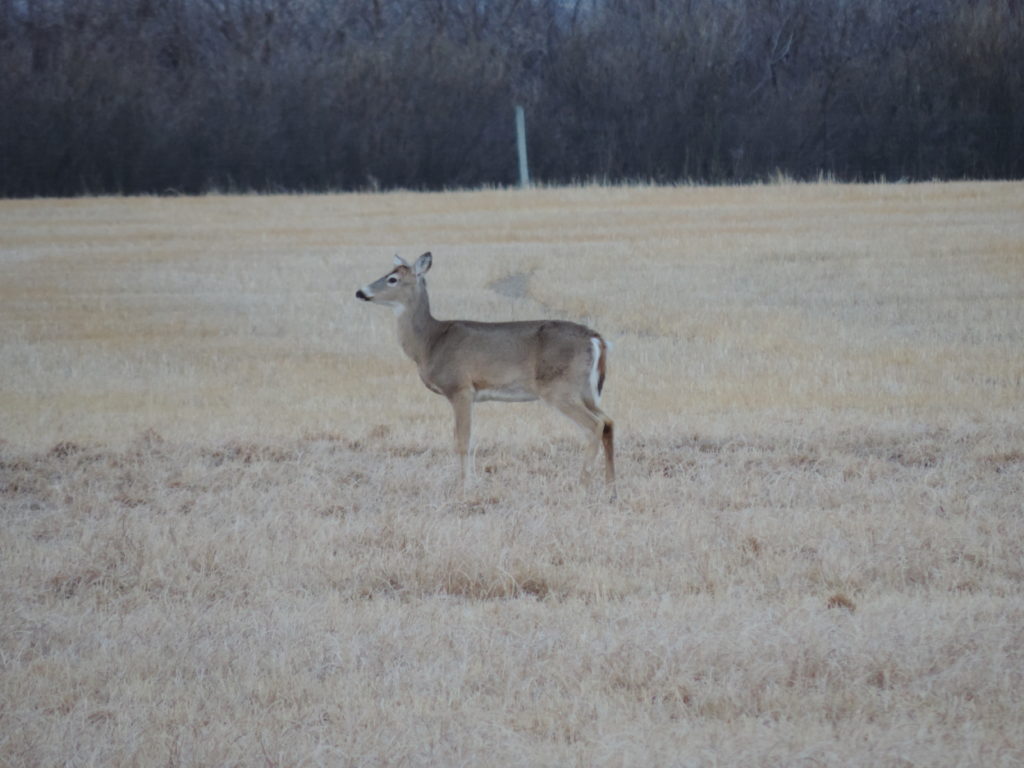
(595, 390)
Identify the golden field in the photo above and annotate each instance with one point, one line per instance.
(230, 533)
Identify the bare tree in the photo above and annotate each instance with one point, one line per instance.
(140, 95)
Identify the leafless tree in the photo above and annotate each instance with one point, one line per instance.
(184, 95)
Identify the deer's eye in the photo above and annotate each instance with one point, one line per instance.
(393, 279)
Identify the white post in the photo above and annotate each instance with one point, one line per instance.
(524, 170)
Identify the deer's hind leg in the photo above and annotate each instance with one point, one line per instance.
(597, 425)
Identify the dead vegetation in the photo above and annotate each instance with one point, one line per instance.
(241, 546)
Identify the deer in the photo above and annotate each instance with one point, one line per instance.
(559, 362)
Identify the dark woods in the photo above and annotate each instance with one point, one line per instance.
(161, 96)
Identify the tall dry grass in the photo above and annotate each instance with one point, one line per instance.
(228, 529)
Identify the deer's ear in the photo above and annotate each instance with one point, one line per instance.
(423, 264)
(400, 262)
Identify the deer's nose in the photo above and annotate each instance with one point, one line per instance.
(361, 295)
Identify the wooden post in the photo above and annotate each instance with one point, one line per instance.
(524, 169)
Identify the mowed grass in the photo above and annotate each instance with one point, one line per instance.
(230, 533)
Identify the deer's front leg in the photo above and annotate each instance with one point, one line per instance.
(462, 404)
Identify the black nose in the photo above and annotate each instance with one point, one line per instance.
(361, 295)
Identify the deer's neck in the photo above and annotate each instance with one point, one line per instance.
(417, 328)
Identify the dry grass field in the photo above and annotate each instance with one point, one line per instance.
(229, 531)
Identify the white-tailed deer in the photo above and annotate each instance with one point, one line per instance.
(559, 362)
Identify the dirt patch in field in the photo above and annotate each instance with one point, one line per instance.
(515, 286)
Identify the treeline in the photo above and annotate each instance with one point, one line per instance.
(131, 96)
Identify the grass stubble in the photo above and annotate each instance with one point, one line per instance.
(229, 530)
